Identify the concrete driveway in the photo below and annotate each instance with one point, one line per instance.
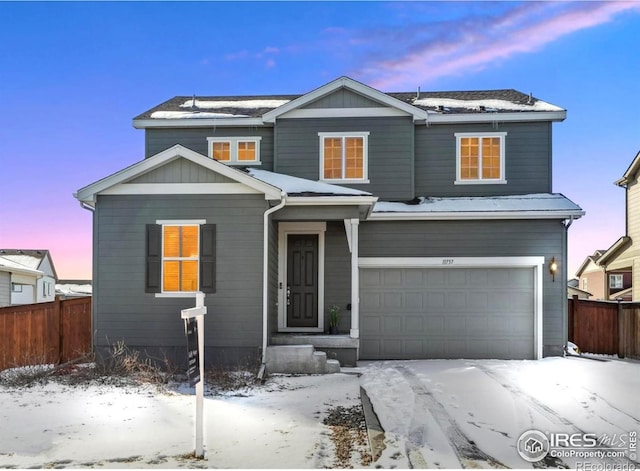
(557, 412)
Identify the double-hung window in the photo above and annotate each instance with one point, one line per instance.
(480, 158)
(344, 156)
(235, 150)
(180, 257)
(615, 281)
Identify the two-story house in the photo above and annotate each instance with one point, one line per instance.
(428, 218)
(621, 262)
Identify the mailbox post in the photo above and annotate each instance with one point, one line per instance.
(196, 363)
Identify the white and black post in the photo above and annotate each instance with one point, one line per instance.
(194, 328)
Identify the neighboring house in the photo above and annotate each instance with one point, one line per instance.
(574, 290)
(591, 276)
(428, 218)
(23, 291)
(621, 261)
(66, 289)
(17, 279)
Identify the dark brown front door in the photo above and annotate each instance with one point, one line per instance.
(302, 280)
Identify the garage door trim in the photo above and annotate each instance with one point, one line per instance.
(535, 262)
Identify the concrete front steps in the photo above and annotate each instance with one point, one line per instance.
(299, 359)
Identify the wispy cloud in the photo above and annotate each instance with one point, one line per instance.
(432, 50)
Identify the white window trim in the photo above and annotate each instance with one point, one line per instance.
(16, 288)
(365, 156)
(178, 222)
(616, 276)
(233, 149)
(480, 180)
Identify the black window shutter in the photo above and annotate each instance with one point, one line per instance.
(208, 258)
(154, 259)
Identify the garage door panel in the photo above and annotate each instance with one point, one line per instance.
(447, 313)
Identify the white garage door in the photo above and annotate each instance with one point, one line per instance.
(412, 313)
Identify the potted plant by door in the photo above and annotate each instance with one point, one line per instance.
(334, 319)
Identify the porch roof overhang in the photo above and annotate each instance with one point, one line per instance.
(533, 206)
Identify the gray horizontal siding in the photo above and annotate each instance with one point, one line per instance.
(390, 151)
(123, 311)
(5, 288)
(480, 239)
(527, 160)
(157, 140)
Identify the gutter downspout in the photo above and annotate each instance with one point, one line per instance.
(265, 279)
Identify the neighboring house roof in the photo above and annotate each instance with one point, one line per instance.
(10, 266)
(538, 206)
(578, 292)
(74, 288)
(629, 175)
(610, 253)
(589, 259)
(32, 259)
(431, 107)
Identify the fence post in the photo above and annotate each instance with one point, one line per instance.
(620, 329)
(572, 313)
(57, 309)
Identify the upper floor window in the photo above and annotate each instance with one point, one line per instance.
(235, 150)
(584, 284)
(480, 158)
(615, 281)
(344, 156)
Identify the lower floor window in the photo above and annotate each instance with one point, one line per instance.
(180, 255)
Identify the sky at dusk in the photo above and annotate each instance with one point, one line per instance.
(74, 74)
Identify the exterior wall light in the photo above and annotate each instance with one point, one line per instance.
(553, 268)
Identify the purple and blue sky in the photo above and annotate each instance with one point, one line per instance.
(74, 74)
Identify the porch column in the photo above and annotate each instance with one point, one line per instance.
(352, 225)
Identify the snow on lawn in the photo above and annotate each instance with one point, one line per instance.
(278, 425)
(470, 413)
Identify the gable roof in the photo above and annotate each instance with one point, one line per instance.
(631, 172)
(10, 266)
(589, 259)
(613, 250)
(29, 258)
(430, 107)
(88, 194)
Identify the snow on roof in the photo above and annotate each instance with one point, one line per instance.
(531, 202)
(487, 104)
(295, 185)
(8, 265)
(250, 104)
(74, 289)
(192, 114)
(23, 261)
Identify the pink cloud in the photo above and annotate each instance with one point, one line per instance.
(435, 51)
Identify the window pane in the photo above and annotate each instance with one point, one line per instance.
(469, 153)
(221, 150)
(171, 278)
(354, 157)
(247, 151)
(189, 276)
(491, 157)
(190, 241)
(332, 157)
(171, 241)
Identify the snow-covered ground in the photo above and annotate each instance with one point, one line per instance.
(439, 413)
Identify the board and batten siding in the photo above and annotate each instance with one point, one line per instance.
(450, 239)
(527, 160)
(390, 156)
(5, 288)
(159, 139)
(122, 309)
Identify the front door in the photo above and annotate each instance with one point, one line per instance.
(302, 280)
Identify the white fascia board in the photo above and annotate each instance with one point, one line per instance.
(350, 84)
(195, 122)
(372, 112)
(452, 216)
(331, 200)
(88, 193)
(435, 118)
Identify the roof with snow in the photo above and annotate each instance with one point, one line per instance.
(29, 259)
(436, 103)
(539, 205)
(295, 186)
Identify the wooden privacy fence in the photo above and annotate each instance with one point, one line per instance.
(45, 333)
(605, 327)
